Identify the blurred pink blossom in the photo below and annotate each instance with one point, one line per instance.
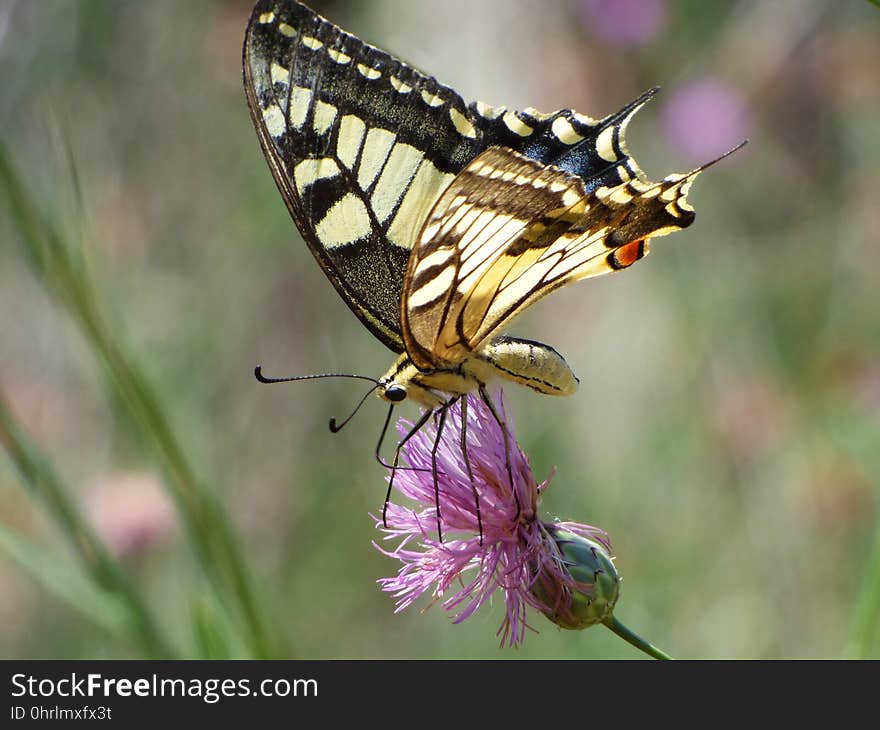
(705, 118)
(628, 23)
(131, 513)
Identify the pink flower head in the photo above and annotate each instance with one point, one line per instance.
(525, 558)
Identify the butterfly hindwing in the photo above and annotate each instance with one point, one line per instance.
(508, 231)
(362, 146)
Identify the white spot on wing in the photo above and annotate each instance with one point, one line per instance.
(584, 119)
(536, 115)
(527, 281)
(300, 103)
(490, 112)
(432, 290)
(368, 72)
(488, 254)
(564, 131)
(517, 125)
(273, 118)
(571, 197)
(670, 194)
(435, 258)
(286, 30)
(376, 148)
(424, 190)
(351, 134)
(605, 146)
(487, 241)
(310, 171)
(464, 127)
(430, 231)
(325, 115)
(431, 99)
(267, 17)
(399, 170)
(486, 224)
(279, 74)
(399, 86)
(338, 56)
(467, 220)
(346, 222)
(311, 43)
(621, 196)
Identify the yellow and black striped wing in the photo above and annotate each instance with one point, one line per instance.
(508, 231)
(362, 146)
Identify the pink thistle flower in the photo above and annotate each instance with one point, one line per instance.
(561, 569)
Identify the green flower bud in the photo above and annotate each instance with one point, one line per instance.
(582, 589)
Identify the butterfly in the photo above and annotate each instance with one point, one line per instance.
(438, 221)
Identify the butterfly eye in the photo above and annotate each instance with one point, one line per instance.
(395, 393)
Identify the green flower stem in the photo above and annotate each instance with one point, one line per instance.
(206, 522)
(637, 641)
(99, 564)
(867, 611)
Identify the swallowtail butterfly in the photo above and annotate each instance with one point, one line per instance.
(438, 221)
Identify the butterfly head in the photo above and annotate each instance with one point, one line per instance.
(404, 381)
(392, 392)
(397, 387)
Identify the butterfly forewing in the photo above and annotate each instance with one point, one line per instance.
(358, 165)
(362, 145)
(508, 231)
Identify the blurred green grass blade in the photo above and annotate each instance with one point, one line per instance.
(59, 577)
(207, 524)
(864, 632)
(211, 638)
(104, 570)
(854, 432)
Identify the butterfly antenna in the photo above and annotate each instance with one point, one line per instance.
(334, 427)
(337, 427)
(258, 374)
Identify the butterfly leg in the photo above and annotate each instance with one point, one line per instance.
(467, 462)
(443, 410)
(484, 394)
(412, 432)
(382, 436)
(382, 439)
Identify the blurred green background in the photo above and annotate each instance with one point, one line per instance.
(727, 428)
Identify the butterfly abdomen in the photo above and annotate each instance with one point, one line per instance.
(532, 364)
